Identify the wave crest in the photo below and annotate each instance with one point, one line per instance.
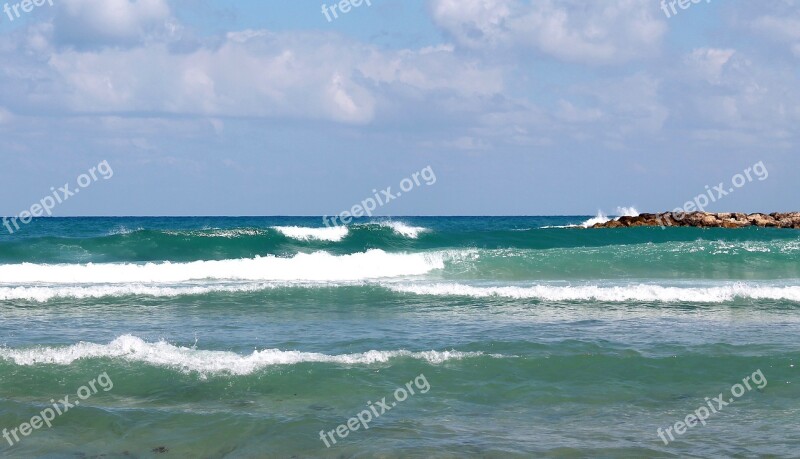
(162, 354)
(317, 266)
(611, 294)
(302, 233)
(404, 229)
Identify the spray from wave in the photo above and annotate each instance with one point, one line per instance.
(599, 218)
(602, 218)
(627, 212)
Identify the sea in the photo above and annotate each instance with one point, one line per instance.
(402, 337)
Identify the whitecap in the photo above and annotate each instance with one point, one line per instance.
(188, 359)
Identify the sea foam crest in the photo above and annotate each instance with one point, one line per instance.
(302, 233)
(317, 266)
(638, 292)
(47, 293)
(599, 218)
(404, 229)
(162, 354)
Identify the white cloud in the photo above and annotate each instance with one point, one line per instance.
(459, 90)
(708, 63)
(250, 73)
(783, 29)
(93, 23)
(594, 32)
(747, 97)
(431, 69)
(475, 23)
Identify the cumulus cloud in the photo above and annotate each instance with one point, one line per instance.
(98, 23)
(596, 32)
(249, 73)
(118, 59)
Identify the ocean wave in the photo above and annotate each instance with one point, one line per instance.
(230, 233)
(122, 230)
(337, 233)
(186, 359)
(576, 293)
(612, 294)
(302, 233)
(317, 266)
(404, 229)
(226, 233)
(47, 293)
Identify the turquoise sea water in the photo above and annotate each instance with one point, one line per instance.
(520, 337)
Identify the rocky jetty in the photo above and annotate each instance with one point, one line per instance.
(707, 220)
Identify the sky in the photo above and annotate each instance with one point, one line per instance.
(543, 107)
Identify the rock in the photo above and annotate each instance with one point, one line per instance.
(788, 220)
(761, 220)
(711, 221)
(707, 220)
(609, 224)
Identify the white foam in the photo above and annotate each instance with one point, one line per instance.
(317, 266)
(47, 293)
(302, 233)
(636, 292)
(186, 359)
(404, 229)
(600, 218)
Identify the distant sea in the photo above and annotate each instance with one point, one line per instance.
(248, 337)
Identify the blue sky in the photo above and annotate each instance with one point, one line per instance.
(214, 107)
